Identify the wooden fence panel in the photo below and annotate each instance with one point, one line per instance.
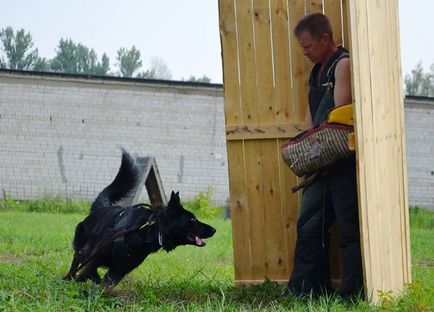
(266, 87)
(265, 81)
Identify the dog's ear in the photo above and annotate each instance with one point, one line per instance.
(174, 201)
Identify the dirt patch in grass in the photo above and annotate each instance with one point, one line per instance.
(426, 263)
(7, 258)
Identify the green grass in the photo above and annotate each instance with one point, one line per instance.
(45, 204)
(35, 251)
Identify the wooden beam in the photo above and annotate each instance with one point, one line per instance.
(263, 131)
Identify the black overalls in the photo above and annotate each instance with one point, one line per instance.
(330, 198)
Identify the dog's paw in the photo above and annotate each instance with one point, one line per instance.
(67, 277)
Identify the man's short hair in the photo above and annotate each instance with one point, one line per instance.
(316, 24)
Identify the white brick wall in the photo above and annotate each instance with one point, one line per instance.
(61, 135)
(419, 122)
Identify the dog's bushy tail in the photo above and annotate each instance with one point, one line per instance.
(125, 182)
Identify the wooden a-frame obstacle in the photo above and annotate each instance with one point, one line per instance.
(150, 178)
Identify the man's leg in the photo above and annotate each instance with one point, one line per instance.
(343, 187)
(311, 273)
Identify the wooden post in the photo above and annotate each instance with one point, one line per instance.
(382, 177)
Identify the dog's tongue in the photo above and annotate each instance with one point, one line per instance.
(199, 242)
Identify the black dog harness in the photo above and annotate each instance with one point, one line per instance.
(120, 248)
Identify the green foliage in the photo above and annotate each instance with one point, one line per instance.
(75, 58)
(17, 46)
(42, 64)
(147, 74)
(421, 218)
(419, 82)
(202, 205)
(204, 79)
(104, 66)
(128, 61)
(46, 204)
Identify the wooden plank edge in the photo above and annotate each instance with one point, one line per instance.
(249, 283)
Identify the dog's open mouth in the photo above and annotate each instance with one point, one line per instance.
(196, 240)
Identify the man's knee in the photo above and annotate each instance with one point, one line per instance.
(307, 232)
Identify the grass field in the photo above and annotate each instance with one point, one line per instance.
(35, 250)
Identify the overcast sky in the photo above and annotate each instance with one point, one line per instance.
(184, 33)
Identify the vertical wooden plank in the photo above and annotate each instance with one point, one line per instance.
(247, 62)
(289, 203)
(228, 39)
(240, 218)
(332, 8)
(235, 149)
(300, 66)
(268, 151)
(254, 189)
(401, 150)
(281, 58)
(275, 241)
(381, 203)
(400, 252)
(385, 140)
(346, 40)
(394, 137)
(263, 61)
(250, 108)
(397, 264)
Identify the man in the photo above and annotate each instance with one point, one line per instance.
(332, 196)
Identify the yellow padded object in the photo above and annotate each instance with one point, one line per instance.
(341, 115)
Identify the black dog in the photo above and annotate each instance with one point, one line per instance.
(120, 238)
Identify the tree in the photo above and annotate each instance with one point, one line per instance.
(77, 58)
(157, 70)
(420, 83)
(18, 49)
(204, 79)
(128, 61)
(103, 67)
(42, 64)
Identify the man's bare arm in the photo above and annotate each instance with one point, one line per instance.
(342, 92)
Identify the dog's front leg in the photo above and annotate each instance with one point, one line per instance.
(111, 279)
(90, 271)
(73, 269)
